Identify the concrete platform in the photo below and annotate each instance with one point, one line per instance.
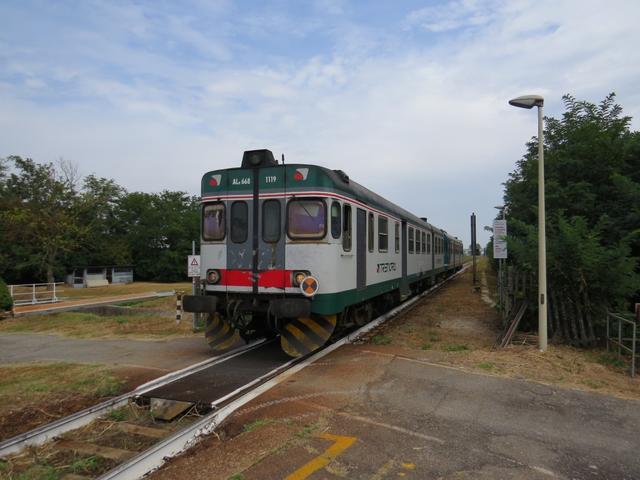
(365, 413)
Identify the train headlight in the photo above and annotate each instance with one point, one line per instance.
(298, 277)
(213, 277)
(309, 286)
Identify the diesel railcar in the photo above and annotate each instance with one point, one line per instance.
(303, 251)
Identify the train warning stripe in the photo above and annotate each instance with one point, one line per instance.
(301, 336)
(219, 334)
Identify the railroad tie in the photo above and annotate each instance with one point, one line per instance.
(140, 430)
(110, 453)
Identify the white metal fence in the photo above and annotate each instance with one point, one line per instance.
(34, 293)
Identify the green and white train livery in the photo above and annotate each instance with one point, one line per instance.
(305, 252)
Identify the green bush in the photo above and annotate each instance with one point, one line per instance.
(6, 302)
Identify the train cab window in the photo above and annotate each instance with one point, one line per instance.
(213, 221)
(411, 240)
(335, 220)
(346, 237)
(239, 222)
(383, 234)
(397, 239)
(370, 232)
(271, 221)
(307, 219)
(424, 242)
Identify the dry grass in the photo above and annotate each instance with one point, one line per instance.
(26, 381)
(33, 394)
(456, 327)
(152, 325)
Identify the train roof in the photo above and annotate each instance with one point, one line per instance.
(307, 177)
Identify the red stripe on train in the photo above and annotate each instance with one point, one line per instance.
(267, 278)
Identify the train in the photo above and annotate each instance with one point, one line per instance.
(304, 253)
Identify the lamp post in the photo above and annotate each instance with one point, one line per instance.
(530, 101)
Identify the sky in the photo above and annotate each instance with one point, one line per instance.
(408, 97)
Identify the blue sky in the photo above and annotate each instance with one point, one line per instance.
(409, 98)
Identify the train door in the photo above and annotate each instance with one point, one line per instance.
(361, 250)
(270, 234)
(239, 244)
(404, 281)
(256, 243)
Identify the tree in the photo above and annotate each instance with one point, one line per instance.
(38, 218)
(6, 302)
(592, 180)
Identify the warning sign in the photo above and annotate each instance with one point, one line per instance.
(193, 265)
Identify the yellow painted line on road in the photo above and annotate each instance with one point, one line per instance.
(384, 470)
(340, 445)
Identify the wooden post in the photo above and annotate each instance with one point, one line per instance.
(178, 307)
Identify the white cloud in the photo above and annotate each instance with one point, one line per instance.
(422, 117)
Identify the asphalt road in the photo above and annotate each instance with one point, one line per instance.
(362, 413)
(166, 355)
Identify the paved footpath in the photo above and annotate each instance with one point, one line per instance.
(365, 413)
(161, 355)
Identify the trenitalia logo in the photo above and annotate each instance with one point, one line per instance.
(214, 181)
(301, 174)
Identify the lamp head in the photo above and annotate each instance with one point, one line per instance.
(527, 101)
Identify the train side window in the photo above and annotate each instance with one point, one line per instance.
(383, 234)
(335, 220)
(428, 243)
(397, 239)
(213, 226)
(370, 232)
(418, 244)
(306, 219)
(346, 238)
(271, 221)
(410, 239)
(424, 242)
(239, 222)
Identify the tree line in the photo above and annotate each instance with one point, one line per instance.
(592, 180)
(52, 220)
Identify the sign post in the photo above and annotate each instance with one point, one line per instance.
(500, 252)
(193, 269)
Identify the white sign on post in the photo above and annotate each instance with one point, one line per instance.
(193, 265)
(499, 239)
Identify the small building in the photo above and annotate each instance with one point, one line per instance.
(99, 276)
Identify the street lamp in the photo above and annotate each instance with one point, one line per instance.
(530, 101)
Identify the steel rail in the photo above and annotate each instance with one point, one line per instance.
(44, 433)
(153, 458)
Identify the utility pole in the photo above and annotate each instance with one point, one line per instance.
(473, 248)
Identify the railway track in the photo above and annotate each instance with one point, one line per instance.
(203, 395)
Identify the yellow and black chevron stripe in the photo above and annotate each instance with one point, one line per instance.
(304, 335)
(219, 334)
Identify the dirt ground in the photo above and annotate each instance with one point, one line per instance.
(457, 328)
(34, 394)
